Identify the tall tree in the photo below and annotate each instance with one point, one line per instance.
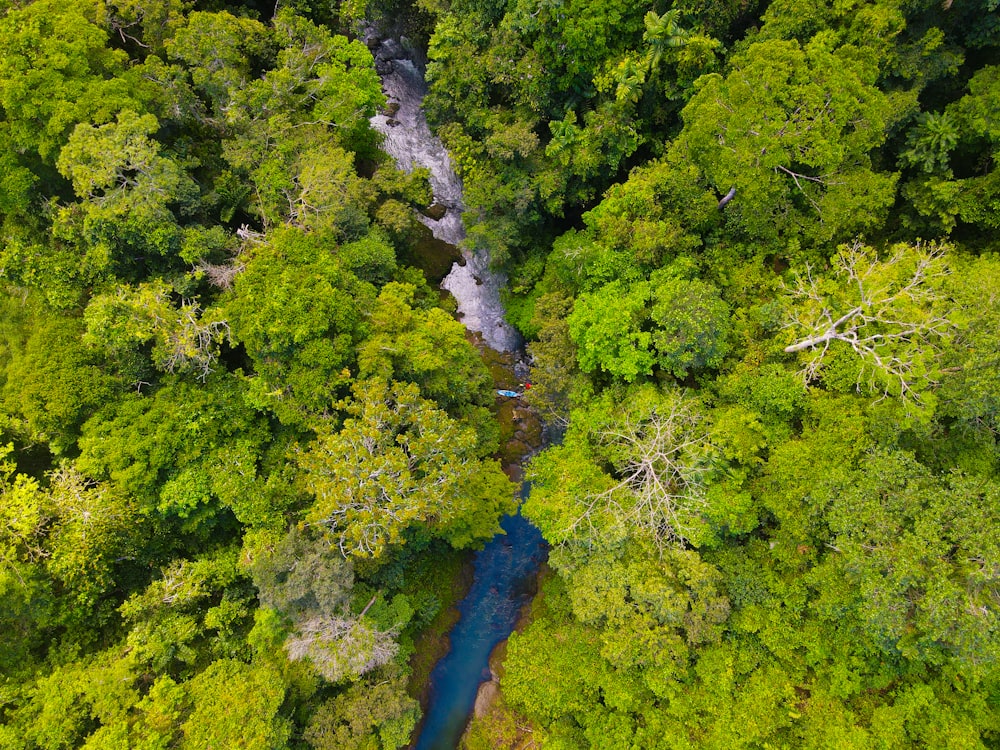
(892, 314)
(300, 315)
(395, 464)
(791, 128)
(635, 463)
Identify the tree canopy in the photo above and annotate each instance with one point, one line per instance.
(246, 450)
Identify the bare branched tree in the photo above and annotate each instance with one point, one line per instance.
(889, 312)
(249, 236)
(310, 583)
(191, 343)
(341, 647)
(221, 275)
(661, 459)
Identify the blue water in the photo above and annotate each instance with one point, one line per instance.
(503, 583)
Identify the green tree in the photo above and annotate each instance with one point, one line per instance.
(146, 24)
(104, 162)
(221, 51)
(299, 124)
(303, 577)
(922, 552)
(194, 610)
(131, 192)
(379, 716)
(659, 214)
(553, 357)
(675, 323)
(52, 382)
(971, 390)
(426, 347)
(123, 321)
(329, 78)
(653, 610)
(930, 142)
(300, 316)
(662, 34)
(691, 324)
(398, 462)
(791, 129)
(161, 450)
(26, 513)
(979, 195)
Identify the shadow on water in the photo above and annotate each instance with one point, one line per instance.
(504, 582)
(432, 256)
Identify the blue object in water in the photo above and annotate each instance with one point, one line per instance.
(509, 394)
(503, 583)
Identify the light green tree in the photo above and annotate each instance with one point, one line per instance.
(235, 705)
(608, 327)
(94, 528)
(184, 337)
(398, 462)
(367, 716)
(57, 71)
(409, 342)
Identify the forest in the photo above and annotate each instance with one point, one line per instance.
(246, 448)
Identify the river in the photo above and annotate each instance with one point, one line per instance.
(408, 139)
(504, 582)
(506, 569)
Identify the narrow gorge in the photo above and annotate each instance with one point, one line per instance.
(506, 569)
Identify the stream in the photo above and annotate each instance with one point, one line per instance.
(504, 582)
(506, 568)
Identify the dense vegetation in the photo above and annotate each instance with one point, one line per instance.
(240, 434)
(752, 248)
(766, 311)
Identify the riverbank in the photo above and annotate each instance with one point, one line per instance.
(521, 433)
(454, 579)
(505, 569)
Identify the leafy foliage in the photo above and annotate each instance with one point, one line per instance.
(395, 461)
(752, 248)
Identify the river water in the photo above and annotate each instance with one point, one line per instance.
(504, 582)
(506, 569)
